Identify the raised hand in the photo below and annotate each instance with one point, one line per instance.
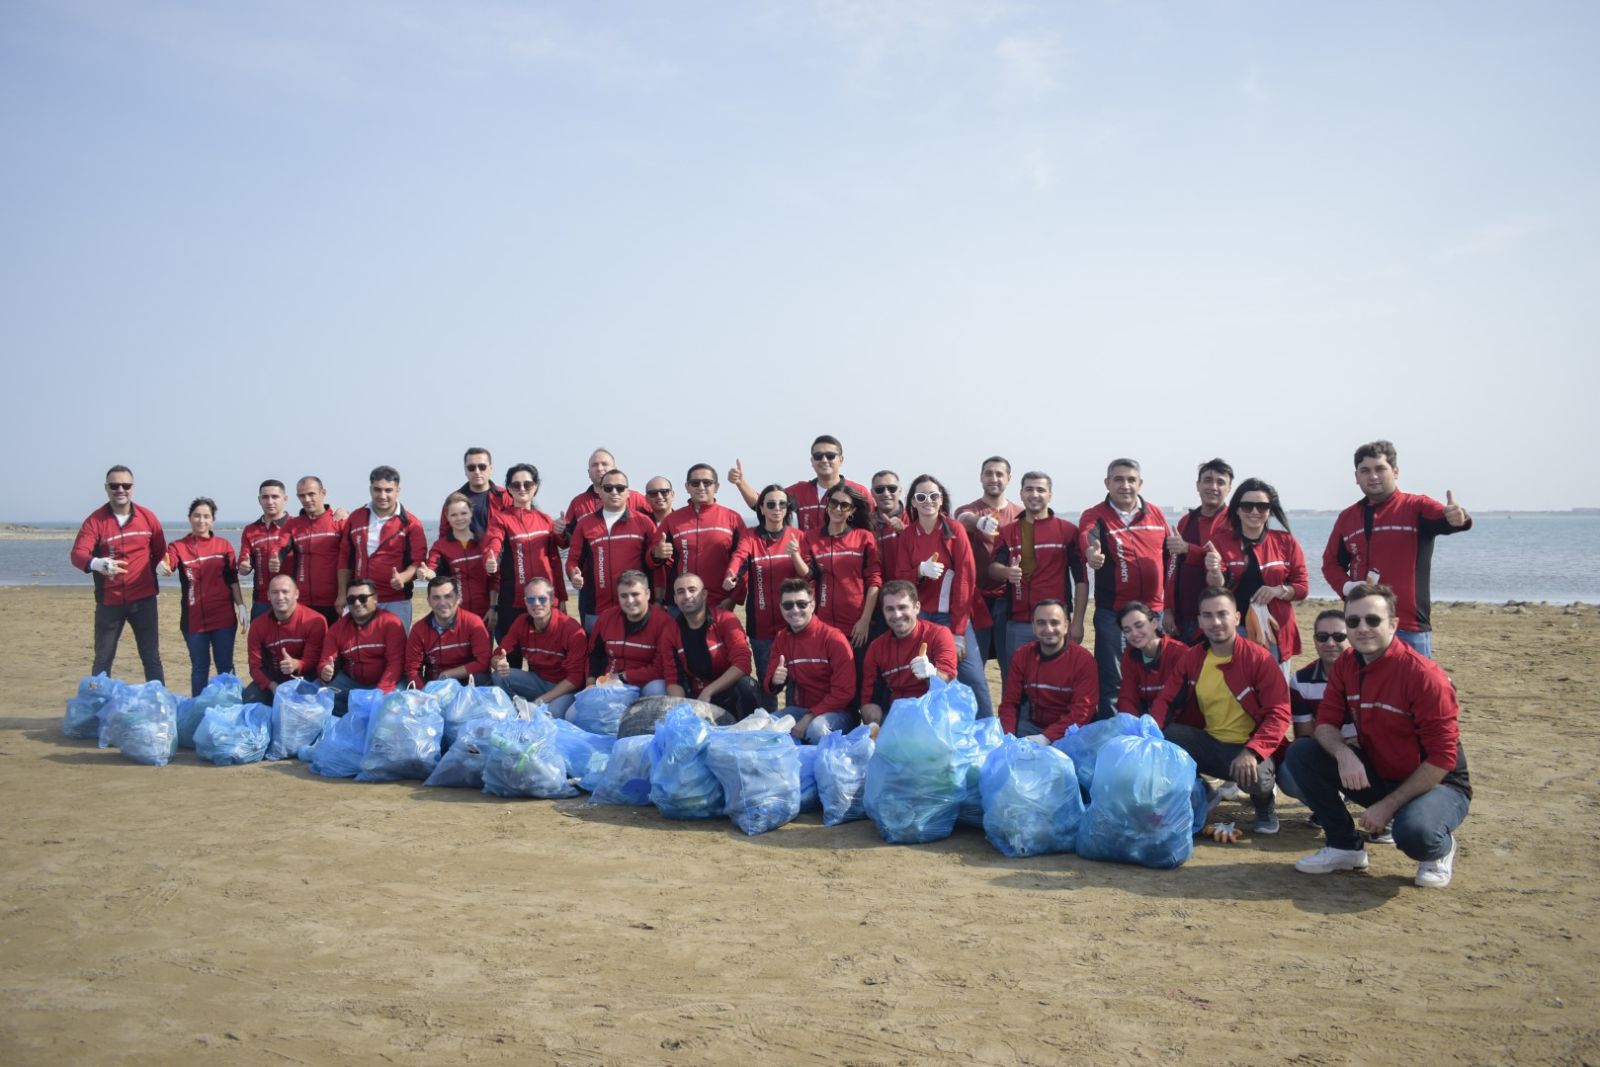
(664, 550)
(1093, 554)
(1454, 513)
(575, 578)
(736, 473)
(560, 523)
(780, 673)
(1213, 559)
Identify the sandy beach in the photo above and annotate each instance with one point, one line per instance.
(262, 915)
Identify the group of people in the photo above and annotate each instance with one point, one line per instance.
(854, 596)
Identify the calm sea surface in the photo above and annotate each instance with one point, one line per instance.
(1503, 557)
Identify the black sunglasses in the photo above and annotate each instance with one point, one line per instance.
(124, 486)
(775, 505)
(658, 492)
(842, 505)
(522, 485)
(1372, 621)
(477, 466)
(1255, 505)
(702, 483)
(613, 489)
(819, 456)
(357, 598)
(1333, 639)
(885, 490)
(793, 605)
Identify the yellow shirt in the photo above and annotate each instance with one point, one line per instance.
(1225, 719)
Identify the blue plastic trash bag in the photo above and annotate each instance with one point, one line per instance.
(474, 702)
(523, 760)
(461, 767)
(403, 741)
(809, 801)
(1083, 743)
(760, 775)
(987, 734)
(917, 777)
(299, 712)
(599, 709)
(445, 690)
(626, 779)
(142, 721)
(231, 734)
(1031, 802)
(842, 774)
(586, 754)
(337, 753)
(85, 710)
(223, 690)
(681, 784)
(1141, 809)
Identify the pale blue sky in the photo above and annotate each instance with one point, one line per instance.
(246, 240)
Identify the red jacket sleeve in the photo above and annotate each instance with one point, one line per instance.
(253, 639)
(1330, 712)
(1085, 693)
(415, 642)
(782, 648)
(513, 637)
(842, 677)
(418, 539)
(1273, 693)
(1177, 688)
(1299, 577)
(1436, 719)
(733, 636)
(576, 661)
(965, 584)
(942, 651)
(1334, 568)
(1128, 693)
(482, 645)
(83, 545)
(158, 542)
(1011, 695)
(871, 565)
(394, 655)
(579, 540)
(311, 652)
(870, 668)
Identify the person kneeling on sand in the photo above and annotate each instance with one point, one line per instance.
(633, 640)
(900, 662)
(1408, 765)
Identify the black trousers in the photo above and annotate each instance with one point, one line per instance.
(141, 615)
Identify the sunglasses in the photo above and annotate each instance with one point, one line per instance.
(124, 486)
(1332, 639)
(1372, 621)
(537, 599)
(522, 485)
(842, 505)
(702, 483)
(658, 492)
(1255, 505)
(357, 598)
(775, 505)
(886, 490)
(794, 605)
(613, 489)
(820, 456)
(477, 466)
(927, 498)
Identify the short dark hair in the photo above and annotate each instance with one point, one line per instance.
(898, 587)
(893, 474)
(1050, 602)
(202, 500)
(1038, 476)
(119, 467)
(476, 450)
(700, 467)
(828, 439)
(273, 483)
(686, 574)
(1132, 606)
(619, 473)
(384, 473)
(1329, 613)
(794, 585)
(996, 459)
(532, 471)
(439, 581)
(1218, 465)
(633, 578)
(1217, 592)
(368, 582)
(1366, 589)
(1376, 450)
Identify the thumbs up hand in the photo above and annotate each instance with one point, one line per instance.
(1094, 555)
(736, 473)
(663, 551)
(780, 673)
(1213, 559)
(560, 524)
(1454, 513)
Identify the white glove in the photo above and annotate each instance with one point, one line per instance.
(1039, 739)
(241, 613)
(922, 667)
(931, 568)
(103, 565)
(988, 524)
(163, 570)
(1349, 586)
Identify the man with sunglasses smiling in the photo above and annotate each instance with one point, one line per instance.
(888, 520)
(1306, 687)
(1406, 767)
(120, 545)
(700, 537)
(553, 646)
(810, 497)
(813, 664)
(606, 544)
(485, 497)
(364, 649)
(601, 461)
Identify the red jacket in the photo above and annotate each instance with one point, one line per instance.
(889, 548)
(1254, 678)
(639, 653)
(464, 563)
(953, 592)
(983, 554)
(259, 544)
(401, 543)
(1135, 554)
(764, 563)
(494, 499)
(300, 636)
(821, 665)
(1143, 682)
(588, 502)
(1057, 564)
(557, 653)
(430, 653)
(207, 574)
(372, 655)
(703, 543)
(1404, 707)
(1395, 539)
(843, 568)
(810, 512)
(602, 554)
(1281, 561)
(315, 548)
(138, 544)
(726, 643)
(526, 542)
(1186, 572)
(888, 663)
(1060, 691)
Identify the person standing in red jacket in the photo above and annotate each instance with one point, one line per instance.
(1037, 559)
(450, 642)
(842, 561)
(700, 537)
(810, 513)
(1406, 765)
(283, 644)
(767, 554)
(1265, 568)
(119, 544)
(213, 608)
(465, 558)
(935, 548)
(901, 660)
(1051, 684)
(1388, 536)
(1241, 695)
(1123, 539)
(523, 540)
(384, 542)
(364, 649)
(484, 497)
(1186, 573)
(262, 543)
(983, 519)
(814, 665)
(606, 544)
(316, 544)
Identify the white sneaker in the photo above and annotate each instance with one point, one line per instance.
(1328, 860)
(1435, 874)
(1229, 791)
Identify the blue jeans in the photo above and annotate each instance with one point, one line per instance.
(1017, 635)
(826, 722)
(761, 653)
(400, 609)
(1025, 724)
(1108, 656)
(531, 686)
(259, 608)
(969, 671)
(1422, 826)
(205, 647)
(1421, 640)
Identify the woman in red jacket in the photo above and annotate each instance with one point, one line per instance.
(841, 559)
(465, 558)
(934, 548)
(212, 604)
(767, 554)
(1264, 568)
